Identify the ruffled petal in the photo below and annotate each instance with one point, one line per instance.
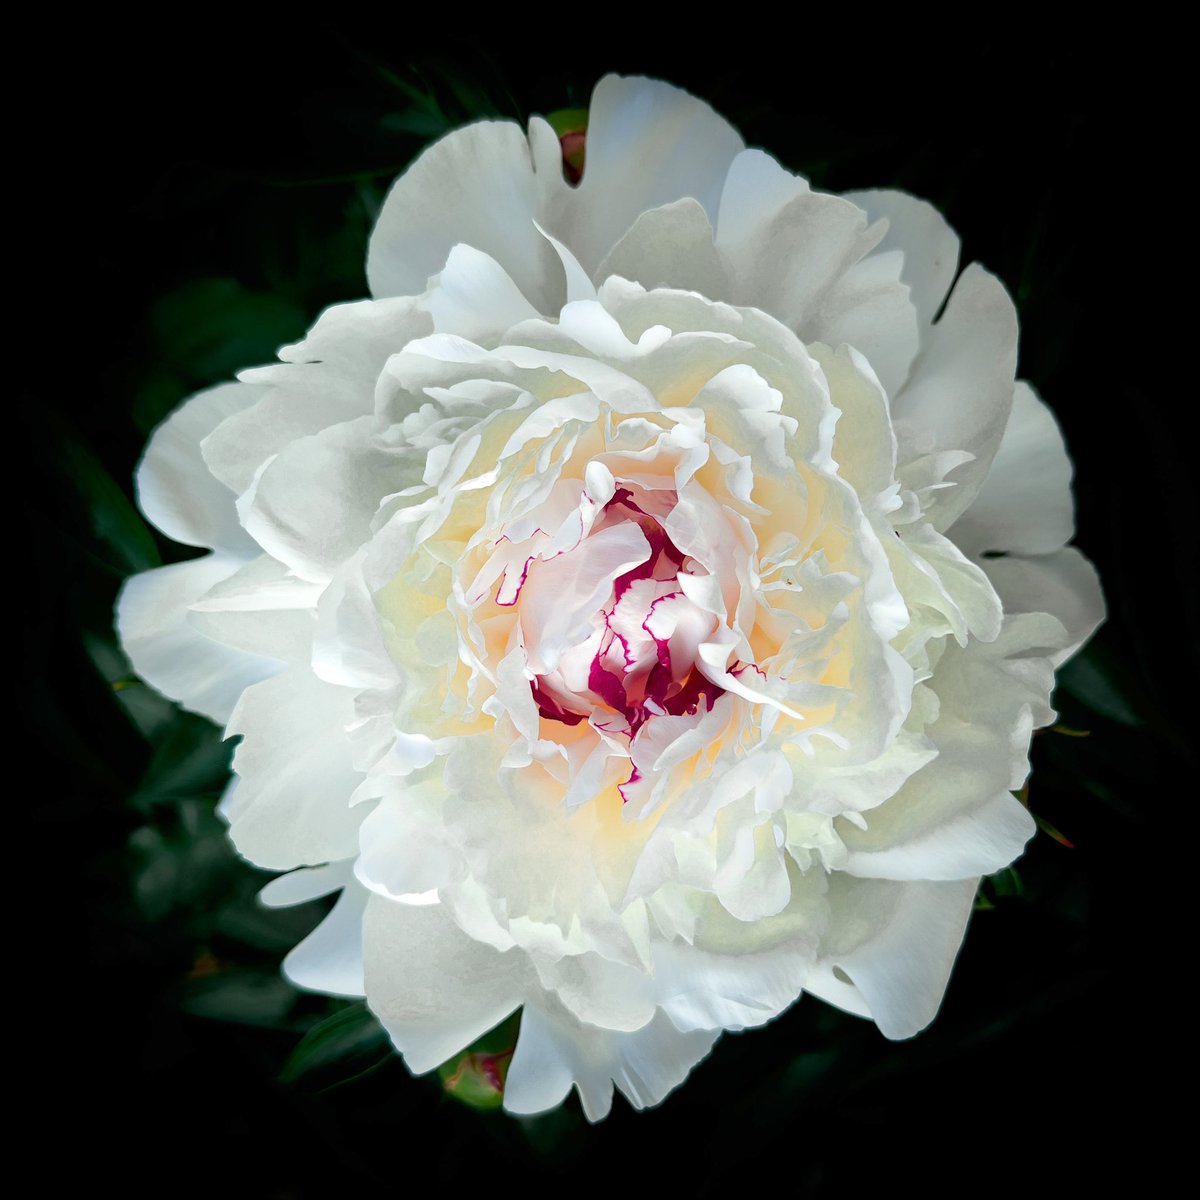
(959, 395)
(890, 949)
(553, 1052)
(429, 210)
(648, 144)
(292, 805)
(176, 489)
(918, 231)
(330, 959)
(1063, 584)
(433, 988)
(1025, 504)
(171, 653)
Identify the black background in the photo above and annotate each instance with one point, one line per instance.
(192, 203)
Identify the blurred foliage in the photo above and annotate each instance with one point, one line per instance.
(240, 180)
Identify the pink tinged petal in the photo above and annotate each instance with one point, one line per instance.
(171, 653)
(959, 395)
(554, 1051)
(1025, 504)
(330, 959)
(428, 211)
(292, 805)
(648, 144)
(434, 989)
(1063, 584)
(175, 487)
(562, 595)
(929, 245)
(895, 944)
(475, 297)
(671, 246)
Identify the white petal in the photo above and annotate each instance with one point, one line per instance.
(475, 297)
(959, 394)
(671, 246)
(434, 989)
(870, 309)
(305, 884)
(1063, 584)
(170, 653)
(929, 245)
(787, 261)
(316, 529)
(553, 1051)
(326, 379)
(648, 144)
(1025, 504)
(330, 959)
(896, 943)
(476, 185)
(175, 488)
(292, 806)
(700, 989)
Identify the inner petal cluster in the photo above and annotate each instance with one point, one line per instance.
(639, 659)
(610, 634)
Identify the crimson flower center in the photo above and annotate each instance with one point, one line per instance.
(639, 660)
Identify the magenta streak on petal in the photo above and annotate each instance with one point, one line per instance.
(630, 659)
(520, 584)
(742, 667)
(609, 688)
(637, 697)
(634, 777)
(550, 708)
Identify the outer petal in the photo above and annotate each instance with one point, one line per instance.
(554, 1051)
(1063, 584)
(929, 245)
(316, 529)
(330, 959)
(671, 246)
(292, 804)
(648, 144)
(890, 949)
(476, 185)
(434, 988)
(324, 380)
(959, 394)
(170, 653)
(1025, 504)
(175, 488)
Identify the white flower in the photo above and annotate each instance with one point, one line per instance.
(639, 610)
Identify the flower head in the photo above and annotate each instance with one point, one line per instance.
(639, 610)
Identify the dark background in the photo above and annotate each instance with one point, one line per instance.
(198, 199)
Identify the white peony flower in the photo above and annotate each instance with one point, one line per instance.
(639, 610)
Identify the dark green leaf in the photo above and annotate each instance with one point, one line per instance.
(345, 1040)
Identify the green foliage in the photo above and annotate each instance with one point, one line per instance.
(338, 1048)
